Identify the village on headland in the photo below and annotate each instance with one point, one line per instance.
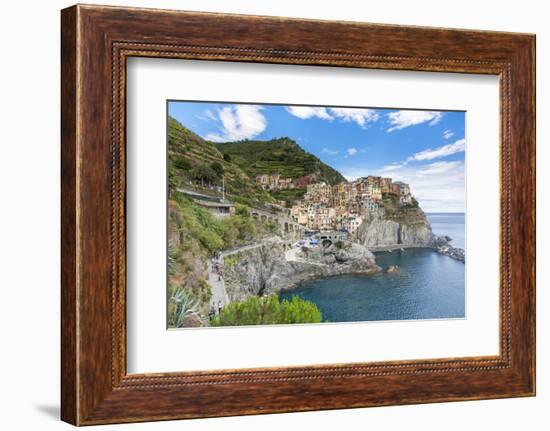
(339, 207)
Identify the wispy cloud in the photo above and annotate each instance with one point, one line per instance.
(305, 112)
(328, 151)
(438, 168)
(351, 151)
(429, 154)
(207, 115)
(438, 186)
(238, 122)
(402, 119)
(448, 134)
(444, 151)
(393, 166)
(359, 116)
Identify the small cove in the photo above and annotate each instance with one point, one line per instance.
(427, 286)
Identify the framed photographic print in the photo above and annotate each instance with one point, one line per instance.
(265, 232)
(268, 215)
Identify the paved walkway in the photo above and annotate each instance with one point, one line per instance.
(248, 246)
(219, 293)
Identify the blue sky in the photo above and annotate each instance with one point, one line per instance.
(423, 148)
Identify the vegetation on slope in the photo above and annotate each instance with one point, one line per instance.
(195, 235)
(278, 156)
(268, 310)
(198, 164)
(195, 224)
(402, 213)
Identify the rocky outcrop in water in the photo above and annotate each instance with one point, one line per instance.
(265, 269)
(442, 246)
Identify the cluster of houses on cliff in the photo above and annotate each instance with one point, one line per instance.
(344, 206)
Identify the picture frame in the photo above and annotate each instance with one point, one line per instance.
(96, 42)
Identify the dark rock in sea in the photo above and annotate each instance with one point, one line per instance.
(452, 252)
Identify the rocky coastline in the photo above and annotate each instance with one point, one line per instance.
(408, 229)
(442, 246)
(273, 267)
(277, 265)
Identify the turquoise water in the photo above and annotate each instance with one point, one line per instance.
(428, 286)
(450, 224)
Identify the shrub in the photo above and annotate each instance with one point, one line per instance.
(231, 260)
(214, 234)
(181, 163)
(200, 224)
(268, 310)
(242, 210)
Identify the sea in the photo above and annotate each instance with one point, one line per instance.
(428, 285)
(450, 224)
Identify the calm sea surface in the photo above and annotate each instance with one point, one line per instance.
(450, 224)
(428, 286)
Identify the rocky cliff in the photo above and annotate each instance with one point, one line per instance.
(272, 267)
(407, 227)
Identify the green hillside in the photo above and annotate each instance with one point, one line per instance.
(282, 156)
(200, 164)
(194, 163)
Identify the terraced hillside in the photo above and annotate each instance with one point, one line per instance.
(282, 156)
(196, 163)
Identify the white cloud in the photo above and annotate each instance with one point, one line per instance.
(401, 119)
(393, 166)
(448, 134)
(239, 122)
(210, 115)
(305, 112)
(351, 151)
(446, 150)
(438, 186)
(329, 151)
(438, 168)
(359, 116)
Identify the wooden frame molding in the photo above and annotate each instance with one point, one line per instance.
(95, 43)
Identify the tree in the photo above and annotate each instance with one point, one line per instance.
(227, 157)
(217, 168)
(204, 174)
